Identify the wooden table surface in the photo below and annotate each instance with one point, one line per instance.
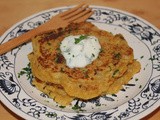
(12, 11)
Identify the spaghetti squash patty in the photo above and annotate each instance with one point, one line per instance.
(114, 66)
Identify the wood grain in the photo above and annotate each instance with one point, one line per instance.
(12, 11)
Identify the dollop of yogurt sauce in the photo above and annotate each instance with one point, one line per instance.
(80, 50)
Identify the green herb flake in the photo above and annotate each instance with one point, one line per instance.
(101, 50)
(62, 106)
(140, 86)
(86, 75)
(26, 71)
(58, 49)
(142, 57)
(98, 105)
(117, 56)
(49, 43)
(93, 55)
(115, 72)
(136, 79)
(76, 107)
(114, 95)
(82, 37)
(110, 68)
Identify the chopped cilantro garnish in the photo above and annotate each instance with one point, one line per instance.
(93, 55)
(26, 71)
(142, 57)
(140, 86)
(115, 72)
(82, 37)
(62, 106)
(117, 56)
(98, 104)
(76, 107)
(101, 50)
(136, 79)
(114, 95)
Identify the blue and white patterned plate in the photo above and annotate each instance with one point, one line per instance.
(138, 98)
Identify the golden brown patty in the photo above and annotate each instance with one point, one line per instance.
(115, 62)
(55, 91)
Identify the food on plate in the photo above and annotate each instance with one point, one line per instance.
(81, 61)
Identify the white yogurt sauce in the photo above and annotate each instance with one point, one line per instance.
(80, 54)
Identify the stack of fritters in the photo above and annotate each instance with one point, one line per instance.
(114, 66)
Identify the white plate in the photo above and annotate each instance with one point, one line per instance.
(137, 99)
